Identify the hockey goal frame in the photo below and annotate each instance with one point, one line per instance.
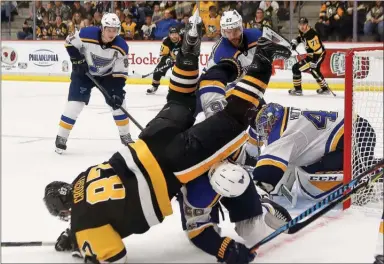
(348, 115)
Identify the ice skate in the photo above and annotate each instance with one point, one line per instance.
(323, 91)
(192, 36)
(126, 139)
(61, 144)
(152, 90)
(295, 92)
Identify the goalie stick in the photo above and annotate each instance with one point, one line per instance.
(105, 93)
(339, 195)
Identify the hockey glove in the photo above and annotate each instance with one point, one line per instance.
(67, 242)
(79, 66)
(115, 102)
(294, 44)
(235, 253)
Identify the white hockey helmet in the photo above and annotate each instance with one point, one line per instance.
(228, 179)
(111, 20)
(230, 20)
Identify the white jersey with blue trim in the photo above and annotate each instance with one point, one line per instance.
(103, 59)
(224, 49)
(212, 90)
(302, 137)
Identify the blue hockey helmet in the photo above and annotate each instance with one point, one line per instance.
(266, 119)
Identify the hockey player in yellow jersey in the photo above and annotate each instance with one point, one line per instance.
(132, 191)
(168, 52)
(312, 63)
(102, 53)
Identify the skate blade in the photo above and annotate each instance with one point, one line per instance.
(59, 151)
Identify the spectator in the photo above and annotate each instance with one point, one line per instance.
(170, 6)
(163, 25)
(63, 10)
(259, 21)
(128, 28)
(85, 23)
(329, 19)
(97, 19)
(147, 31)
(204, 8)
(51, 12)
(27, 32)
(248, 10)
(77, 8)
(46, 29)
(374, 22)
(104, 6)
(120, 14)
(60, 30)
(212, 25)
(183, 8)
(75, 23)
(346, 21)
(270, 9)
(89, 8)
(157, 13)
(143, 11)
(40, 13)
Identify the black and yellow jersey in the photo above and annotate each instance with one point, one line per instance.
(313, 44)
(169, 48)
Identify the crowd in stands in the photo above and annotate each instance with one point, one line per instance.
(147, 20)
(336, 20)
(150, 20)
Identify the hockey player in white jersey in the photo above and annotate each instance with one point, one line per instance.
(102, 53)
(311, 140)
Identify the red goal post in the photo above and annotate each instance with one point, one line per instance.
(363, 98)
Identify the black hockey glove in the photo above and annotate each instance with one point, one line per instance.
(79, 66)
(236, 253)
(67, 242)
(115, 102)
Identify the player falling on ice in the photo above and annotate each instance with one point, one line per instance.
(168, 52)
(102, 53)
(132, 191)
(312, 63)
(311, 140)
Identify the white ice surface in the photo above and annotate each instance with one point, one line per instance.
(30, 117)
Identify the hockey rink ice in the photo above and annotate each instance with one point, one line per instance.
(30, 118)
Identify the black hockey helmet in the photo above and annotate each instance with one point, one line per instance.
(173, 29)
(58, 199)
(303, 21)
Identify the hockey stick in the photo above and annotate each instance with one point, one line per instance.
(333, 199)
(105, 93)
(27, 244)
(152, 72)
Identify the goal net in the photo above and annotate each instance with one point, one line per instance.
(363, 123)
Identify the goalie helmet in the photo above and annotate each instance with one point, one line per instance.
(228, 179)
(230, 20)
(58, 199)
(111, 20)
(266, 119)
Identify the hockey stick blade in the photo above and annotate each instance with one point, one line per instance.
(338, 195)
(108, 97)
(27, 244)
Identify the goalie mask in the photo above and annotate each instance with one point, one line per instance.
(266, 120)
(58, 199)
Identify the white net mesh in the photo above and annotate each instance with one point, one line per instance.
(367, 128)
